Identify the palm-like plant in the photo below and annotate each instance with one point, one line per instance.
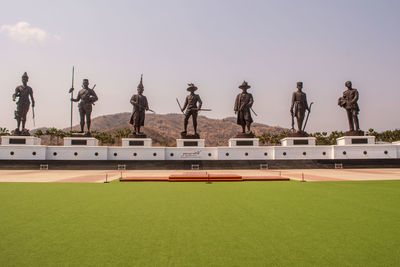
(60, 134)
(38, 133)
(4, 131)
(122, 133)
(105, 138)
(52, 132)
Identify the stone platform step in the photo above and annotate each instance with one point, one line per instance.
(144, 179)
(204, 177)
(265, 178)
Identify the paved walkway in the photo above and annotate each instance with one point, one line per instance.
(63, 176)
(343, 174)
(95, 176)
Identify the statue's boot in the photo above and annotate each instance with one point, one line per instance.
(248, 128)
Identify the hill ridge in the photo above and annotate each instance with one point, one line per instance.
(166, 128)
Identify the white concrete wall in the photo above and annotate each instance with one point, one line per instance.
(76, 153)
(136, 153)
(372, 152)
(303, 152)
(19, 152)
(191, 153)
(246, 153)
(377, 151)
(397, 145)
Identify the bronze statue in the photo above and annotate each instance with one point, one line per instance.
(349, 102)
(243, 106)
(23, 92)
(87, 97)
(140, 105)
(298, 108)
(192, 106)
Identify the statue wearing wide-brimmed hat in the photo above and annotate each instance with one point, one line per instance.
(140, 105)
(23, 93)
(192, 106)
(244, 102)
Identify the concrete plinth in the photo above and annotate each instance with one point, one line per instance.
(80, 141)
(20, 141)
(355, 140)
(137, 142)
(298, 141)
(243, 142)
(190, 142)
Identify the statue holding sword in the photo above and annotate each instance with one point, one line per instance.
(243, 107)
(298, 109)
(23, 93)
(140, 106)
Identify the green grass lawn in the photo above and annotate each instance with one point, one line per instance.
(198, 224)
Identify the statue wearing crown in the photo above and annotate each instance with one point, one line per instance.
(23, 93)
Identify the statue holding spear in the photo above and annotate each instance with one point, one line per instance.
(87, 97)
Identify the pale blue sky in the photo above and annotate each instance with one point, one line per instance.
(216, 45)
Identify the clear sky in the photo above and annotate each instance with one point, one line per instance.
(216, 45)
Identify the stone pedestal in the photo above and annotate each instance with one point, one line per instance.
(80, 141)
(137, 136)
(190, 142)
(137, 142)
(298, 141)
(244, 135)
(20, 141)
(243, 142)
(355, 140)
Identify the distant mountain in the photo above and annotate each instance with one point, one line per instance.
(164, 129)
